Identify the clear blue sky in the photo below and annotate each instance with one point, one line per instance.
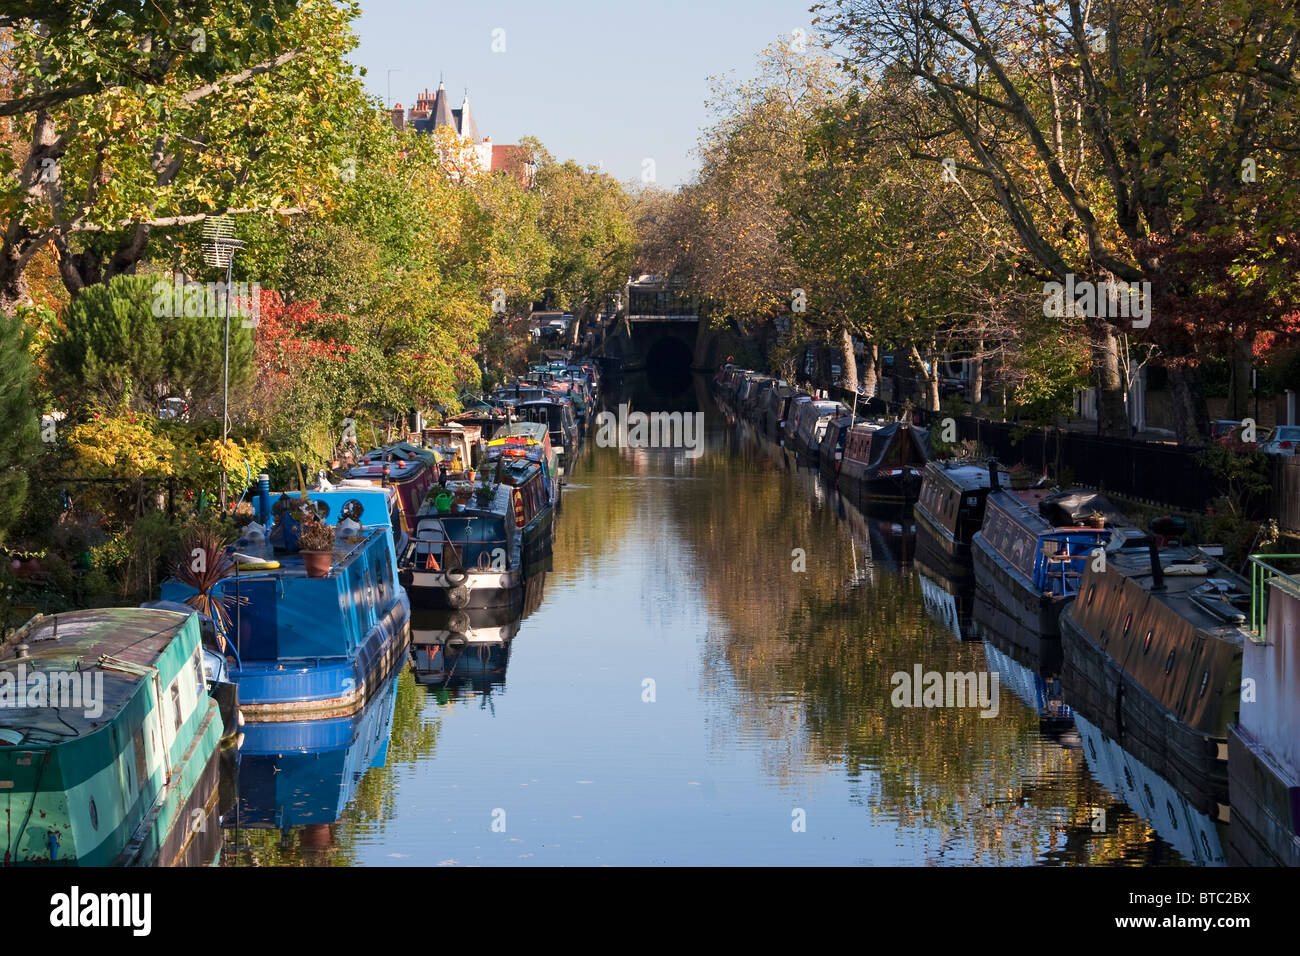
(610, 82)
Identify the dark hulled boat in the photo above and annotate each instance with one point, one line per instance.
(1153, 650)
(477, 552)
(949, 510)
(882, 462)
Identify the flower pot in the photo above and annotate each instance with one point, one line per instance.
(317, 563)
(1098, 521)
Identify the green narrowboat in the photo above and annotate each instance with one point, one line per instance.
(108, 741)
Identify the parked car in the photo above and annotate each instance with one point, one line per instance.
(1283, 441)
(1231, 434)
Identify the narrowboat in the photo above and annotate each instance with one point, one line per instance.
(118, 759)
(882, 463)
(463, 645)
(531, 440)
(1264, 742)
(557, 416)
(786, 427)
(300, 775)
(810, 425)
(459, 448)
(407, 468)
(476, 550)
(772, 410)
(1030, 554)
(303, 645)
(1153, 656)
(831, 451)
(949, 510)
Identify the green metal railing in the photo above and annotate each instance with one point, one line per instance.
(1261, 574)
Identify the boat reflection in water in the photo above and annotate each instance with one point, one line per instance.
(467, 650)
(299, 776)
(1193, 834)
(454, 648)
(950, 603)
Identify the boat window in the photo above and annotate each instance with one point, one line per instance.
(1151, 800)
(176, 702)
(1205, 682)
(1146, 645)
(1169, 664)
(1173, 817)
(1092, 592)
(200, 684)
(1127, 621)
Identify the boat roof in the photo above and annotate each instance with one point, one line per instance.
(534, 430)
(398, 470)
(1187, 571)
(76, 641)
(965, 475)
(399, 451)
(376, 501)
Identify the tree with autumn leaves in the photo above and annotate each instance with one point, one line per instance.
(958, 157)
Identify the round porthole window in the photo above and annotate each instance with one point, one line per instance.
(1128, 621)
(1146, 645)
(1092, 592)
(94, 814)
(1169, 662)
(1205, 682)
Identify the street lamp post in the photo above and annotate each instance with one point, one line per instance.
(219, 248)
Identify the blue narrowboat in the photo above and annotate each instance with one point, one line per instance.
(1030, 554)
(303, 646)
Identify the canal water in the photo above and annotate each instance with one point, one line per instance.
(708, 678)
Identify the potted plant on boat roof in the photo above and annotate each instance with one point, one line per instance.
(1096, 520)
(316, 545)
(484, 493)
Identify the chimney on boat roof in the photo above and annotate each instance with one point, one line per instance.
(1157, 572)
(993, 475)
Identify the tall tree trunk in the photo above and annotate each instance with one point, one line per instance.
(870, 367)
(850, 376)
(1111, 416)
(927, 382)
(977, 374)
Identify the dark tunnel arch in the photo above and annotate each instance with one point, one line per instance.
(668, 364)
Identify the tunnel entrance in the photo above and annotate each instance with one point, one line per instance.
(668, 365)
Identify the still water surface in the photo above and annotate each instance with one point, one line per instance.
(771, 704)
